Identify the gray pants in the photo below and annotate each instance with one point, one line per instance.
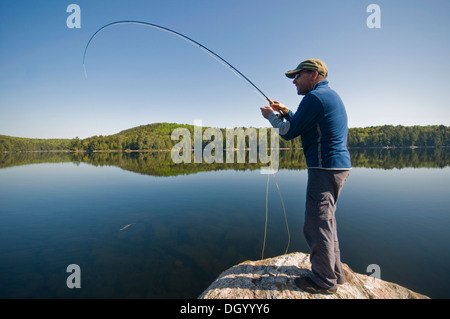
(324, 187)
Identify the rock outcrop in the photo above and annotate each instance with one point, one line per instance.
(273, 278)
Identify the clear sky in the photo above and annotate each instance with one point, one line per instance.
(396, 74)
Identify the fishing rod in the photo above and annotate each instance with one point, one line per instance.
(182, 36)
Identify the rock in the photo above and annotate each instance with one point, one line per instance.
(273, 278)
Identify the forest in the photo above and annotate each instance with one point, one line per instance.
(158, 137)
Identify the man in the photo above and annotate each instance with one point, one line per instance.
(321, 121)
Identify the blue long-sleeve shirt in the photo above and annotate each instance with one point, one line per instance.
(321, 121)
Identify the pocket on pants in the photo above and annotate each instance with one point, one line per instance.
(319, 206)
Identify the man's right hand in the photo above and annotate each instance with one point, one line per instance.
(279, 107)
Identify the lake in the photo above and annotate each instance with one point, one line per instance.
(140, 226)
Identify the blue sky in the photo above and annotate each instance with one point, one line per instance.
(396, 74)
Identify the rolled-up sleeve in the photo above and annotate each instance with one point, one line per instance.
(283, 127)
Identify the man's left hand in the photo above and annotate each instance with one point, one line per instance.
(266, 111)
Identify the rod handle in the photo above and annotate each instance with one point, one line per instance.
(271, 102)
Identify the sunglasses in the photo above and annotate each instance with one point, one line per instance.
(300, 73)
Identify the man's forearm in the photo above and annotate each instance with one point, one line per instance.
(278, 123)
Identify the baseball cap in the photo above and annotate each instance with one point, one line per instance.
(310, 64)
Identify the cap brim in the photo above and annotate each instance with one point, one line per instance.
(292, 74)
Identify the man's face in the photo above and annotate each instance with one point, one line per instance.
(304, 81)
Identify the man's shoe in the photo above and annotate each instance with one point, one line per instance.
(341, 281)
(308, 285)
(343, 278)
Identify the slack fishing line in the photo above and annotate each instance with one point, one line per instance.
(229, 66)
(267, 217)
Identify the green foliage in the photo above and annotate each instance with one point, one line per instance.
(158, 137)
(391, 136)
(17, 144)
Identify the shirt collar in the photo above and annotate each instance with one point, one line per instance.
(321, 83)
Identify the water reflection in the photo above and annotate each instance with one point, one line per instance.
(185, 231)
(161, 164)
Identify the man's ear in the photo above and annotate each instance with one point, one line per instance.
(314, 75)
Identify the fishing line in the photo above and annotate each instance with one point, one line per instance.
(182, 36)
(267, 215)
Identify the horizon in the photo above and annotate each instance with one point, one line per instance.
(138, 75)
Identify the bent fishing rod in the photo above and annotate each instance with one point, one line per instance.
(182, 36)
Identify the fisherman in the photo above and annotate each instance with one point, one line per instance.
(321, 121)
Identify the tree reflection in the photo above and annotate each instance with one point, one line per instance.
(159, 163)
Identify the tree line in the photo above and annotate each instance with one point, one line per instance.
(398, 136)
(18, 144)
(158, 137)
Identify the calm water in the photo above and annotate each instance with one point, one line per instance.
(187, 227)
